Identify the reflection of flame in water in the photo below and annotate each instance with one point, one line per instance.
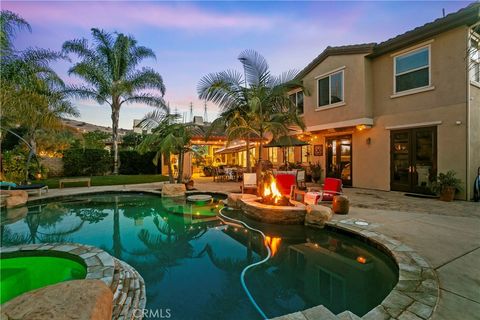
(273, 243)
(271, 191)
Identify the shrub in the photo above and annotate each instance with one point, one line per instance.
(14, 165)
(80, 162)
(132, 162)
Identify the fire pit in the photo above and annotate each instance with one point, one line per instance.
(272, 206)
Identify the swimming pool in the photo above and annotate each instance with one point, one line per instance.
(191, 261)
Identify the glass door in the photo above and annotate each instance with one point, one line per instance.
(400, 161)
(339, 159)
(424, 159)
(413, 159)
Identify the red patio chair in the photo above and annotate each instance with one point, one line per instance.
(331, 187)
(285, 183)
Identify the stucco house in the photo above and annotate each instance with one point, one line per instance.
(392, 115)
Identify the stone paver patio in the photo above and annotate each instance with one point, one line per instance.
(446, 234)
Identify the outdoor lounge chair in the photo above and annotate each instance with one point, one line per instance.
(331, 188)
(38, 187)
(249, 183)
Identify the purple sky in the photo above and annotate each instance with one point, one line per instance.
(192, 39)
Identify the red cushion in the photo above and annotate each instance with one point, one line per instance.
(285, 183)
(332, 184)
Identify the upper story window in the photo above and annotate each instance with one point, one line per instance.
(412, 70)
(330, 89)
(297, 100)
(475, 59)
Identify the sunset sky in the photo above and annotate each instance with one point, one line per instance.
(192, 39)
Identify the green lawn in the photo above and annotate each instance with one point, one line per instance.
(108, 180)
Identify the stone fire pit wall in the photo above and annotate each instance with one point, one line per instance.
(256, 210)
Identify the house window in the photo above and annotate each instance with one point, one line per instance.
(412, 70)
(273, 154)
(306, 153)
(475, 59)
(297, 100)
(291, 154)
(330, 89)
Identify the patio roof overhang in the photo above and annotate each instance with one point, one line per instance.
(358, 123)
(238, 147)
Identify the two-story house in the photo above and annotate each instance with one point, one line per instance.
(392, 115)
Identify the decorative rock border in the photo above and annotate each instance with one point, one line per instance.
(99, 264)
(415, 296)
(126, 283)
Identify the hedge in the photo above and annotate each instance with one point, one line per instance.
(86, 162)
(132, 162)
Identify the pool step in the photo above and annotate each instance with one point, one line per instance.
(318, 313)
(128, 290)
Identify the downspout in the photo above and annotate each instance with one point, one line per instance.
(467, 124)
(468, 171)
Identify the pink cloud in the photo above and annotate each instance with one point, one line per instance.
(128, 14)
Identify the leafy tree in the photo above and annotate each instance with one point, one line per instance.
(110, 69)
(253, 104)
(95, 139)
(131, 140)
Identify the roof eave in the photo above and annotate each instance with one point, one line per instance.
(469, 17)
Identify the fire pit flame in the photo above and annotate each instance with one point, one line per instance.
(271, 193)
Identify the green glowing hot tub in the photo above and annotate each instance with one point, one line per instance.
(21, 274)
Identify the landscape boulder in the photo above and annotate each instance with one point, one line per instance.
(317, 215)
(233, 199)
(77, 299)
(15, 198)
(173, 190)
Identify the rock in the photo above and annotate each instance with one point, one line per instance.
(77, 299)
(173, 190)
(233, 199)
(317, 215)
(340, 205)
(15, 198)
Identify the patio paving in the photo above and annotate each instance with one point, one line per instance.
(446, 234)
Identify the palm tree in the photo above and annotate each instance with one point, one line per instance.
(31, 93)
(110, 69)
(168, 137)
(254, 103)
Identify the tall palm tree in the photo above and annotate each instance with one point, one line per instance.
(254, 103)
(110, 68)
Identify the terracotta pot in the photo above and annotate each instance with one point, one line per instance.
(447, 194)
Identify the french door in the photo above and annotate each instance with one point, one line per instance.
(413, 158)
(339, 158)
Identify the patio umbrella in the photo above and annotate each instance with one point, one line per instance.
(286, 141)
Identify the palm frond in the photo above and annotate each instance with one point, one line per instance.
(255, 66)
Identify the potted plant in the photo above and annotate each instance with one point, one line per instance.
(316, 170)
(188, 181)
(447, 185)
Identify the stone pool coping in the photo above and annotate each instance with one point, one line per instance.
(414, 297)
(99, 264)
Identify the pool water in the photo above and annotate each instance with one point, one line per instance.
(22, 274)
(191, 260)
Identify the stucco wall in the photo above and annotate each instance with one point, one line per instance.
(355, 91)
(448, 76)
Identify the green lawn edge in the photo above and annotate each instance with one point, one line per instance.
(53, 183)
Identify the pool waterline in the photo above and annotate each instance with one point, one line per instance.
(199, 259)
